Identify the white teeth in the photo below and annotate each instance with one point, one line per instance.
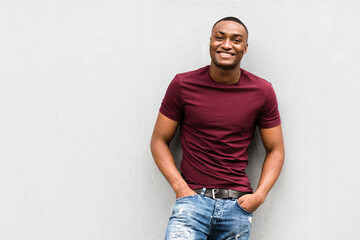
(227, 54)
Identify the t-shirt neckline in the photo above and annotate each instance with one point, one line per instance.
(223, 84)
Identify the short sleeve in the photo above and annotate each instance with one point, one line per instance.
(269, 114)
(172, 104)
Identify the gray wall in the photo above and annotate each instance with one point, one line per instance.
(80, 87)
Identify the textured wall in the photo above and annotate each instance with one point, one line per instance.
(81, 83)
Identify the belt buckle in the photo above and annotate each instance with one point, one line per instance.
(213, 193)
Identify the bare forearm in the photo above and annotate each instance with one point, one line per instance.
(166, 164)
(270, 172)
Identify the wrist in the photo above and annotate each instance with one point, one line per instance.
(260, 195)
(180, 187)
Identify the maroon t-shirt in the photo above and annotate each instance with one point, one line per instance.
(217, 124)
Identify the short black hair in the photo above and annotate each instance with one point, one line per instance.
(234, 19)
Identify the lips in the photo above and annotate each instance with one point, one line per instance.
(226, 54)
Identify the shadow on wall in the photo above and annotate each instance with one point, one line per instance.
(256, 159)
(175, 148)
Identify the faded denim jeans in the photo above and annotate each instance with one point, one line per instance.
(202, 218)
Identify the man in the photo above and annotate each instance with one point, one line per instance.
(218, 108)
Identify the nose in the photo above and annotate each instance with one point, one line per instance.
(226, 43)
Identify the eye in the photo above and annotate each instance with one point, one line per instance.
(218, 38)
(237, 40)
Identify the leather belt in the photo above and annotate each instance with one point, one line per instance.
(221, 193)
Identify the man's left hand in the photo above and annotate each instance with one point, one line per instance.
(250, 202)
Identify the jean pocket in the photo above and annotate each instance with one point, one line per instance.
(186, 197)
(243, 209)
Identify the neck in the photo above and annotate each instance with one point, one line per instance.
(225, 76)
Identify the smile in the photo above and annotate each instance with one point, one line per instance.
(226, 54)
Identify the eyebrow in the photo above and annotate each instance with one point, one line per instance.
(235, 34)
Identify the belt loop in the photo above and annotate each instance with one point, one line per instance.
(203, 191)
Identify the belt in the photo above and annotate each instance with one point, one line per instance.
(221, 193)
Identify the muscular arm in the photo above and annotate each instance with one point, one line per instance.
(274, 159)
(164, 132)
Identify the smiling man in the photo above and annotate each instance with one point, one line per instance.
(218, 108)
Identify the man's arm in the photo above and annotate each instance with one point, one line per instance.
(273, 142)
(164, 132)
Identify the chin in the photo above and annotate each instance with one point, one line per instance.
(226, 66)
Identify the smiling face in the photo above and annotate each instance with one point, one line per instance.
(228, 44)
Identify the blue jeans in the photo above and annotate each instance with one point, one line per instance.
(199, 217)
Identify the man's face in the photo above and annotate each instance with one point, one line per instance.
(228, 44)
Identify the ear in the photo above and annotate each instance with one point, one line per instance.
(246, 48)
